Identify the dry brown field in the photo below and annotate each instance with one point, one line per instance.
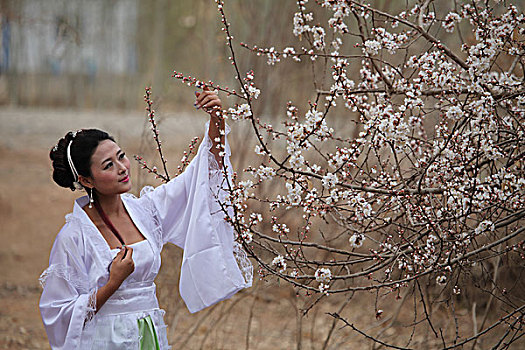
(32, 210)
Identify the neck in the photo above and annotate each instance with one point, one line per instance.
(111, 204)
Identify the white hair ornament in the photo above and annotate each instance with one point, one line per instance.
(77, 184)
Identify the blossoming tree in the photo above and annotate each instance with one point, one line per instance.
(420, 191)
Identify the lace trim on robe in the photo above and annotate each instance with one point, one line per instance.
(66, 273)
(91, 306)
(71, 277)
(244, 263)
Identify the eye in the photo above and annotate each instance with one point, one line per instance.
(122, 155)
(109, 165)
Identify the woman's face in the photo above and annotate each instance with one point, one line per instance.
(110, 169)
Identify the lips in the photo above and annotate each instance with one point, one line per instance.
(125, 179)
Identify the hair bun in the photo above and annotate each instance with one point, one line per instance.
(84, 143)
(62, 174)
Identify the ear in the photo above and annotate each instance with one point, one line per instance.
(86, 181)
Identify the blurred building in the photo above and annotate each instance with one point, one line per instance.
(101, 53)
(53, 51)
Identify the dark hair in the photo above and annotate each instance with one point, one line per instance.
(84, 143)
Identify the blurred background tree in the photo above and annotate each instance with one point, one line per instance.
(101, 53)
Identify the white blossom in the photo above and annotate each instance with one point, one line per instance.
(372, 47)
(319, 35)
(241, 112)
(323, 275)
(323, 288)
(484, 226)
(356, 240)
(252, 91)
(450, 21)
(454, 112)
(279, 263)
(329, 180)
(273, 57)
(259, 150)
(442, 279)
(294, 193)
(265, 173)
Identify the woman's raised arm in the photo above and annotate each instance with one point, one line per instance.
(210, 102)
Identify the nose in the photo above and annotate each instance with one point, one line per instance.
(122, 168)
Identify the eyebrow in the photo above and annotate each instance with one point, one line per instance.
(108, 159)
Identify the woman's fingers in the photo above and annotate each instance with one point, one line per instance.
(204, 96)
(210, 101)
(124, 253)
(128, 253)
(120, 254)
(211, 104)
(122, 266)
(207, 99)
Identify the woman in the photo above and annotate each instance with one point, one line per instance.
(98, 291)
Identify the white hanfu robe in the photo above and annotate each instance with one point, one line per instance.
(185, 212)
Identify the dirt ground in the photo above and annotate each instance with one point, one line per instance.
(32, 207)
(32, 210)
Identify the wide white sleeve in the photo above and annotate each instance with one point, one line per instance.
(214, 267)
(67, 303)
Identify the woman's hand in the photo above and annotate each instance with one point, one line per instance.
(209, 101)
(122, 266)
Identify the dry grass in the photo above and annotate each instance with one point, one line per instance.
(266, 316)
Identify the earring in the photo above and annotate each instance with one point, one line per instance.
(91, 201)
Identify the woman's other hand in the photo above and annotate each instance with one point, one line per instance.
(122, 266)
